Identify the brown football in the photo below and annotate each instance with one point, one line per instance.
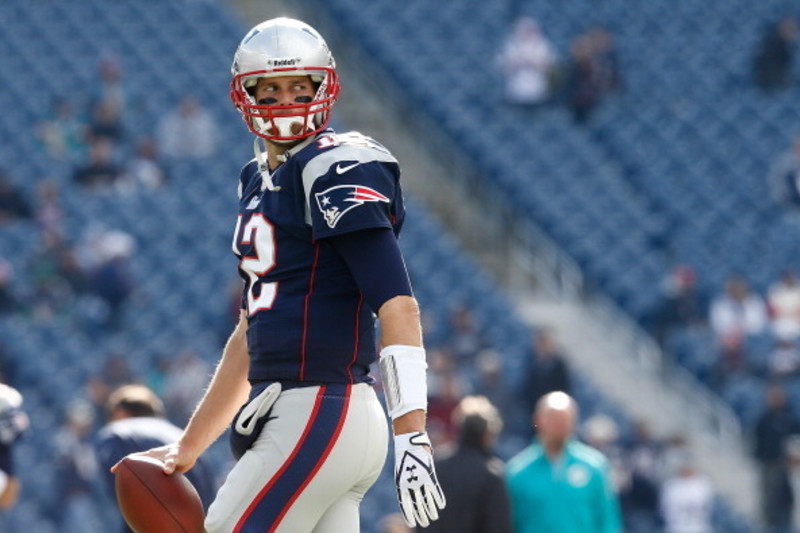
(154, 502)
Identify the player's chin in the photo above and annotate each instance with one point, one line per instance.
(288, 143)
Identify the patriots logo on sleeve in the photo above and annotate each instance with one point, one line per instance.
(338, 200)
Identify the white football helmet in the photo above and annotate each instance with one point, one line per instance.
(284, 47)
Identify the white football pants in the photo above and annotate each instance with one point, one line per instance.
(308, 471)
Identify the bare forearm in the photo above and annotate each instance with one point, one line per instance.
(400, 322)
(411, 422)
(227, 391)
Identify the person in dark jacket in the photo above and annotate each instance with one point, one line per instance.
(774, 57)
(774, 427)
(547, 370)
(472, 476)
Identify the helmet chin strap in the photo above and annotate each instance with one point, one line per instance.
(260, 149)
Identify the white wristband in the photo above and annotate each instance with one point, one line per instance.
(404, 383)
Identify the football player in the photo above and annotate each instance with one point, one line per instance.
(13, 424)
(316, 238)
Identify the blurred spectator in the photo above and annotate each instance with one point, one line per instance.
(64, 135)
(527, 60)
(105, 122)
(13, 425)
(784, 178)
(111, 88)
(110, 278)
(592, 72)
(100, 170)
(558, 484)
(738, 311)
(187, 132)
(681, 304)
(135, 422)
(775, 54)
(784, 359)
(471, 476)
(491, 382)
(463, 340)
(773, 428)
(783, 301)
(145, 169)
(687, 500)
(13, 204)
(547, 370)
(582, 89)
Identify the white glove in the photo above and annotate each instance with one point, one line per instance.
(418, 490)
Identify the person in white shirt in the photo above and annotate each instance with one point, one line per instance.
(527, 59)
(687, 500)
(783, 301)
(738, 311)
(188, 132)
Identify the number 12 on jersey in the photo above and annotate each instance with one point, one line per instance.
(259, 233)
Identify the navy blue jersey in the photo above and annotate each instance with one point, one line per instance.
(307, 320)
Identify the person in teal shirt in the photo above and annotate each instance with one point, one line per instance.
(557, 484)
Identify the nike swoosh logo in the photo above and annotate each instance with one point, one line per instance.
(342, 169)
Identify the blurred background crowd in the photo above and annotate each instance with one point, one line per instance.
(645, 158)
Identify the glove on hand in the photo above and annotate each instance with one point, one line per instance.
(418, 490)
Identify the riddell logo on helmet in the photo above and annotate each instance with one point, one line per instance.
(283, 62)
